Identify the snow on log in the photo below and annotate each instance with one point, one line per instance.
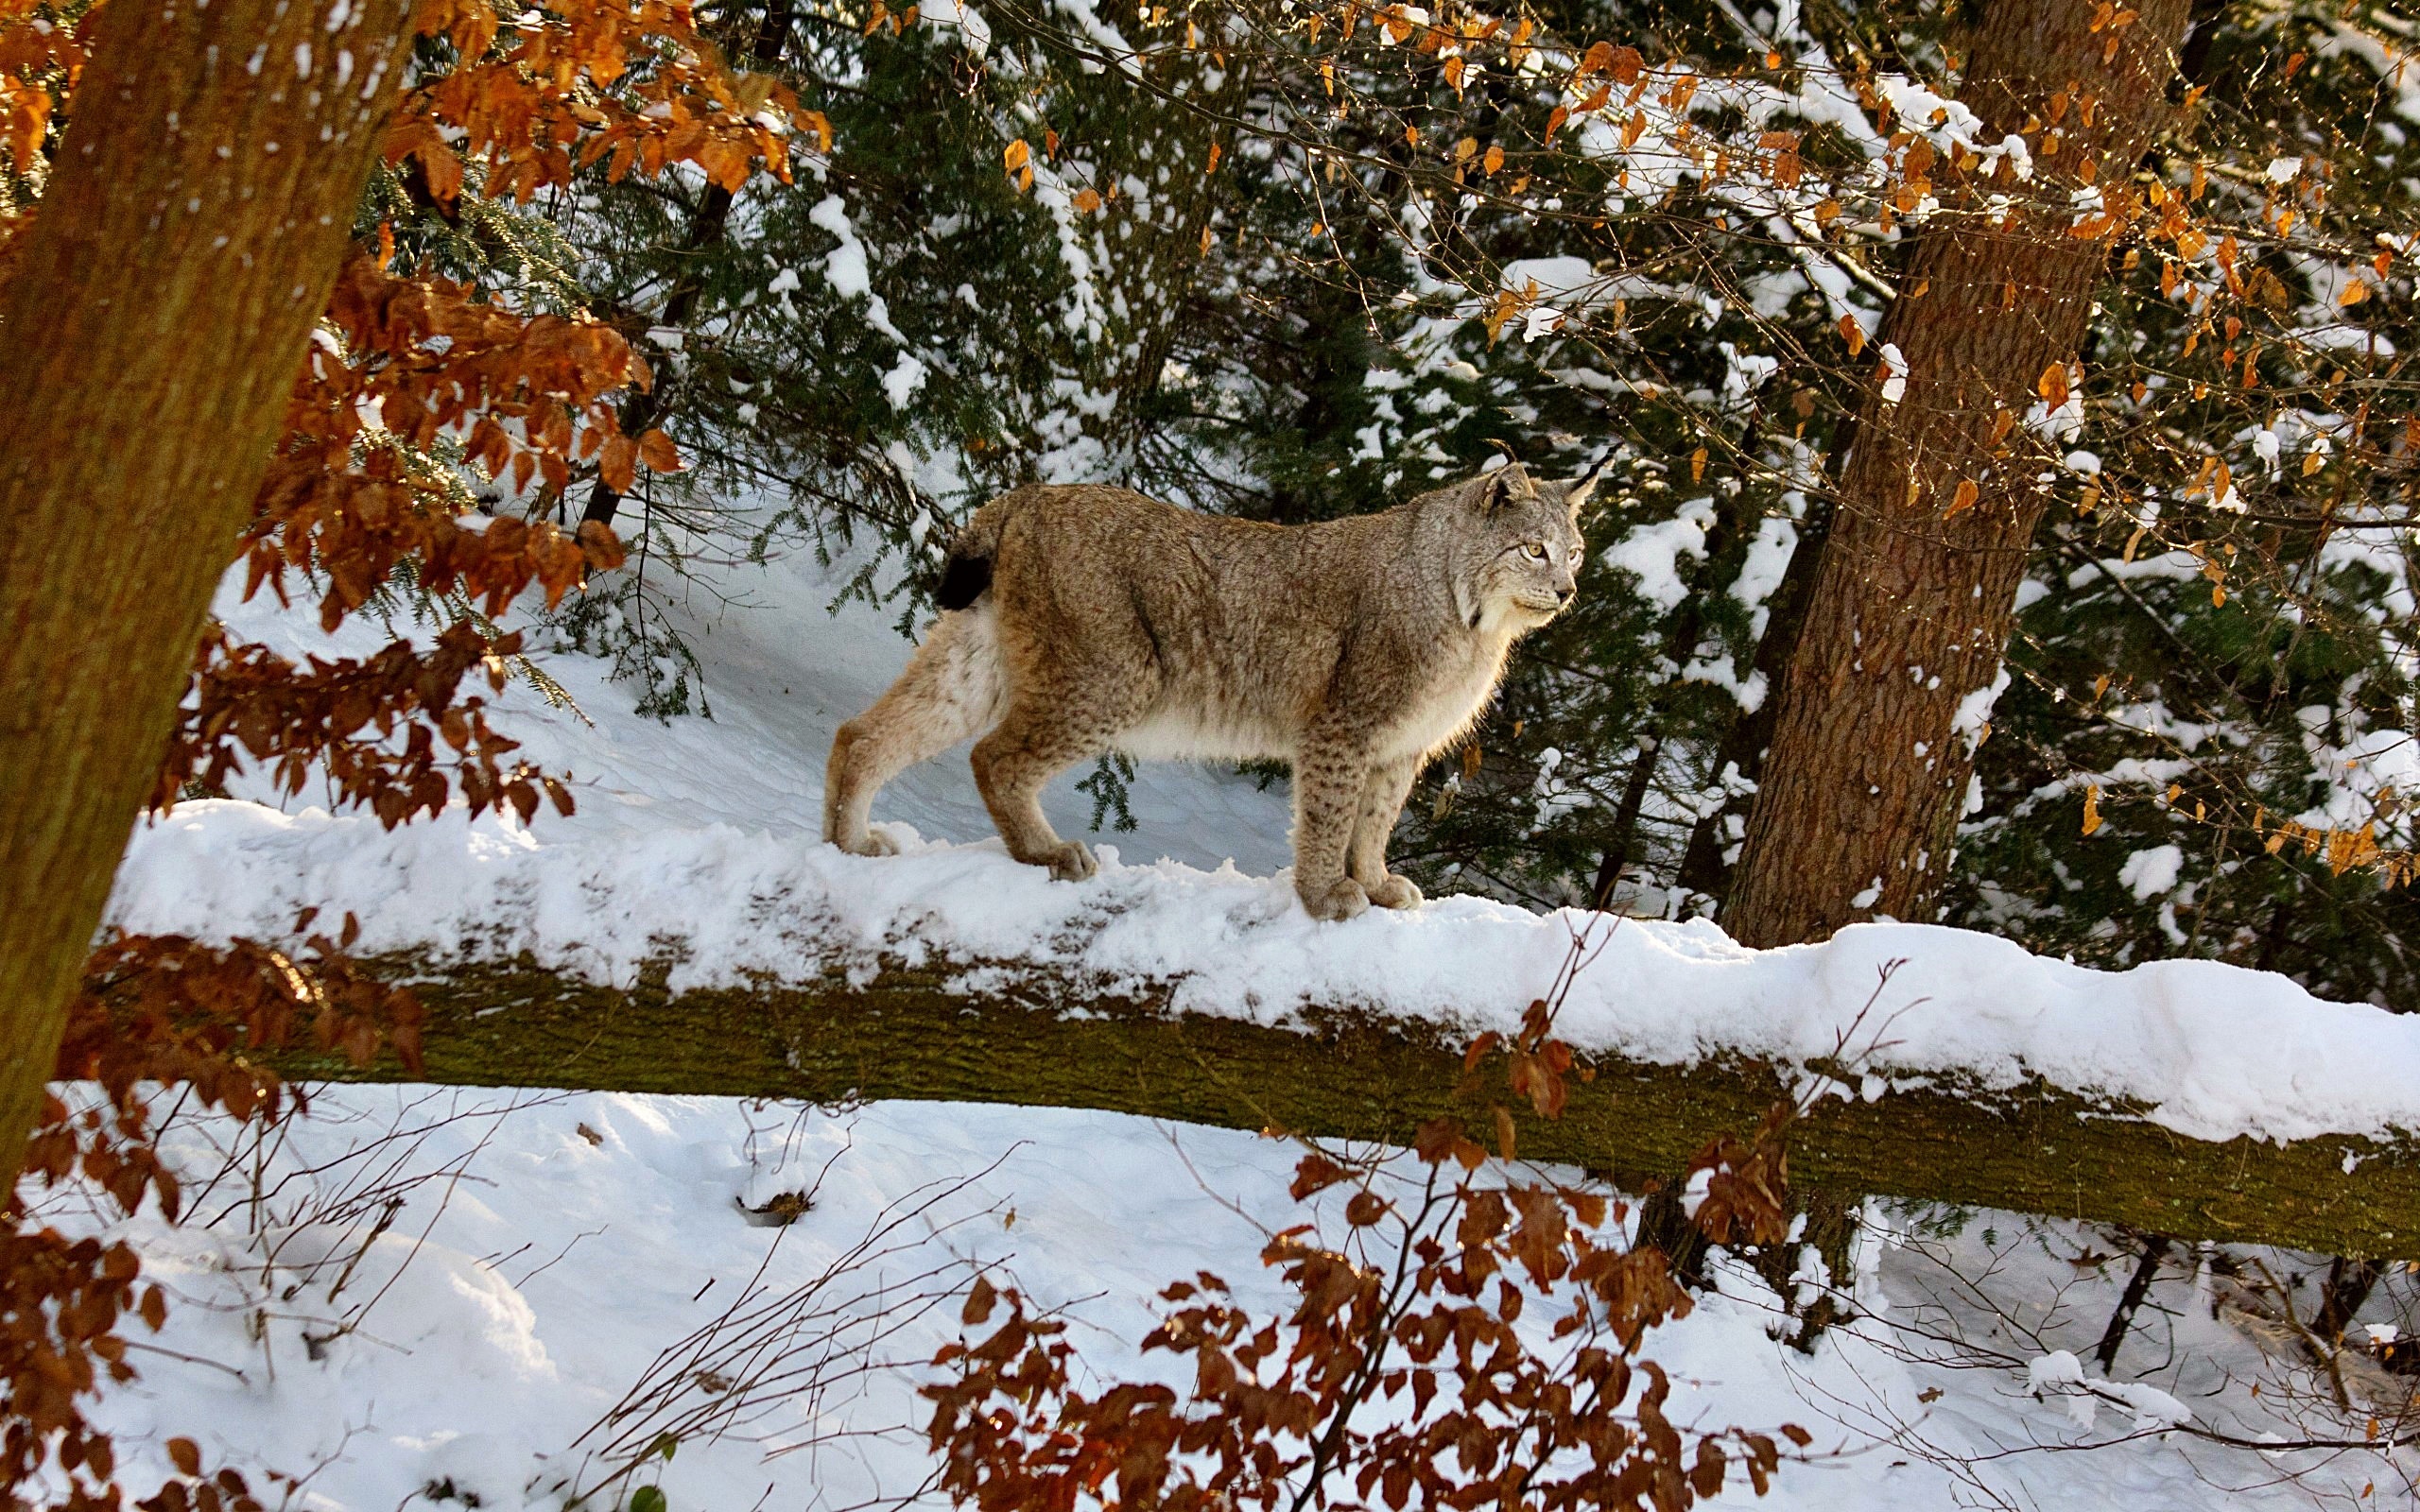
(2197, 1099)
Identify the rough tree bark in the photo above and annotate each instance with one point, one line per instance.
(1916, 591)
(149, 339)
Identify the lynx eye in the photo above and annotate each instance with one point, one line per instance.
(1535, 550)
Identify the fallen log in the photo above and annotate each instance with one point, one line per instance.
(1034, 1036)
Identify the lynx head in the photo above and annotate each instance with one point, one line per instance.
(1518, 544)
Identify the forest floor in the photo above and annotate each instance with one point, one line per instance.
(442, 1295)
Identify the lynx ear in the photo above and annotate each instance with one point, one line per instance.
(1575, 492)
(1506, 484)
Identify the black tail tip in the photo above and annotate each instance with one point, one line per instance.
(965, 581)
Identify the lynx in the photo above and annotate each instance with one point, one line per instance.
(1080, 620)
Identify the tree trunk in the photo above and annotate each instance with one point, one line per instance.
(149, 337)
(1916, 591)
(1744, 745)
(1682, 634)
(1343, 1071)
(1170, 118)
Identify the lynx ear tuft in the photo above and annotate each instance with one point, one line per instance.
(1575, 492)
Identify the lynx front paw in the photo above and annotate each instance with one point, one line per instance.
(1396, 892)
(871, 843)
(1072, 861)
(1340, 900)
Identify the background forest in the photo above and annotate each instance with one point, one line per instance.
(1229, 260)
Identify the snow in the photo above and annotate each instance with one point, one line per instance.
(972, 28)
(550, 1253)
(845, 266)
(2151, 872)
(1652, 552)
(550, 1250)
(1559, 288)
(1974, 714)
(1103, 34)
(1768, 560)
(905, 379)
(2060, 1374)
(1894, 373)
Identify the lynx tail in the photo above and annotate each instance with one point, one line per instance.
(967, 576)
(964, 579)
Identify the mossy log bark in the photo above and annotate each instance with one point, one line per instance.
(1043, 1041)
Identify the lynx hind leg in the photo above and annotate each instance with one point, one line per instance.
(950, 690)
(1038, 738)
(1382, 796)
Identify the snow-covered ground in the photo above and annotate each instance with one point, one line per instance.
(556, 1257)
(544, 1250)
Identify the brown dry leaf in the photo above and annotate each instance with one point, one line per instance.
(657, 451)
(618, 466)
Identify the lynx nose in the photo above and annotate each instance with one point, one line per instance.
(1567, 593)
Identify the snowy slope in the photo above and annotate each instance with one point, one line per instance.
(704, 832)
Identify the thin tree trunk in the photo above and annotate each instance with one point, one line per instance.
(1138, 132)
(2350, 1281)
(707, 227)
(1681, 637)
(2130, 1302)
(1916, 591)
(1703, 867)
(149, 337)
